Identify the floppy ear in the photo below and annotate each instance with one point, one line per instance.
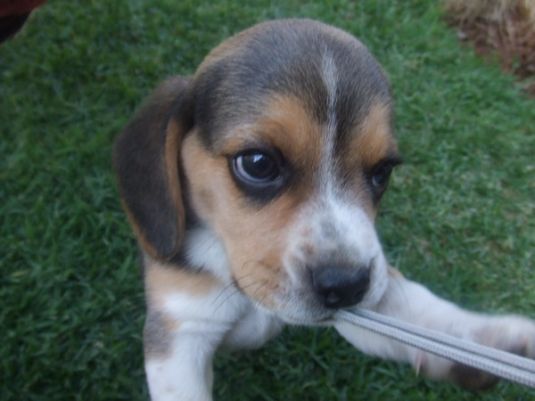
(145, 158)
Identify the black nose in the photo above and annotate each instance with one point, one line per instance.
(338, 287)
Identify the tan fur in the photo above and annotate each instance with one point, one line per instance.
(293, 131)
(374, 139)
(254, 238)
(371, 141)
(286, 126)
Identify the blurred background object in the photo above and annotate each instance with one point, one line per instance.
(505, 28)
(13, 15)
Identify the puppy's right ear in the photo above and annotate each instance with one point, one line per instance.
(146, 161)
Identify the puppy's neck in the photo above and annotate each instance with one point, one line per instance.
(203, 250)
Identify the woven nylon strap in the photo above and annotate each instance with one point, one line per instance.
(499, 363)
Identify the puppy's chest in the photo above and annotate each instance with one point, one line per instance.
(254, 328)
(194, 299)
(234, 320)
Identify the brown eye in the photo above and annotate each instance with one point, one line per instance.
(260, 174)
(380, 176)
(256, 167)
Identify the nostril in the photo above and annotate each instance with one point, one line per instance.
(332, 298)
(338, 287)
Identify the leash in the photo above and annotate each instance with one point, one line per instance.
(496, 362)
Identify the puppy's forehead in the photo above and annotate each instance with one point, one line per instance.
(332, 74)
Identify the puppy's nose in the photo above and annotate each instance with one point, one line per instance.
(338, 287)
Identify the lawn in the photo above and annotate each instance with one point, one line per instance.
(459, 215)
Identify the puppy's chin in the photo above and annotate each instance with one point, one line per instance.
(300, 321)
(301, 315)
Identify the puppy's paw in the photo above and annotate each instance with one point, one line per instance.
(509, 333)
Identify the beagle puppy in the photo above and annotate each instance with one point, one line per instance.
(252, 188)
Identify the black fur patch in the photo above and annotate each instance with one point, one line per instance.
(139, 161)
(287, 58)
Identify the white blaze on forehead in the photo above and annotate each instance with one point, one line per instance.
(329, 74)
(345, 223)
(331, 225)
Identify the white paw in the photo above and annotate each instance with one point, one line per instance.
(509, 333)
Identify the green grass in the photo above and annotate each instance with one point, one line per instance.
(459, 215)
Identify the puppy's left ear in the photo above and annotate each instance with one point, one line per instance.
(146, 161)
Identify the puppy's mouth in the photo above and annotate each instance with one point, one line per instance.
(311, 294)
(325, 319)
(296, 307)
(315, 316)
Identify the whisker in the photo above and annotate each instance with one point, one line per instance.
(219, 301)
(231, 284)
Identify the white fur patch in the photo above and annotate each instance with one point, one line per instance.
(350, 232)
(186, 374)
(329, 74)
(205, 250)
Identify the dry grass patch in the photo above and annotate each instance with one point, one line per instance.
(502, 27)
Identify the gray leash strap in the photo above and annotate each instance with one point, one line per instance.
(499, 363)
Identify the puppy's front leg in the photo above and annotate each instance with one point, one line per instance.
(411, 302)
(178, 358)
(188, 316)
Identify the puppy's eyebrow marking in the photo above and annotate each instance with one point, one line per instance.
(374, 140)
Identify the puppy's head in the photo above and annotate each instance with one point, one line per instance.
(280, 146)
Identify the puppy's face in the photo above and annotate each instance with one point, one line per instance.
(286, 155)
(289, 157)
